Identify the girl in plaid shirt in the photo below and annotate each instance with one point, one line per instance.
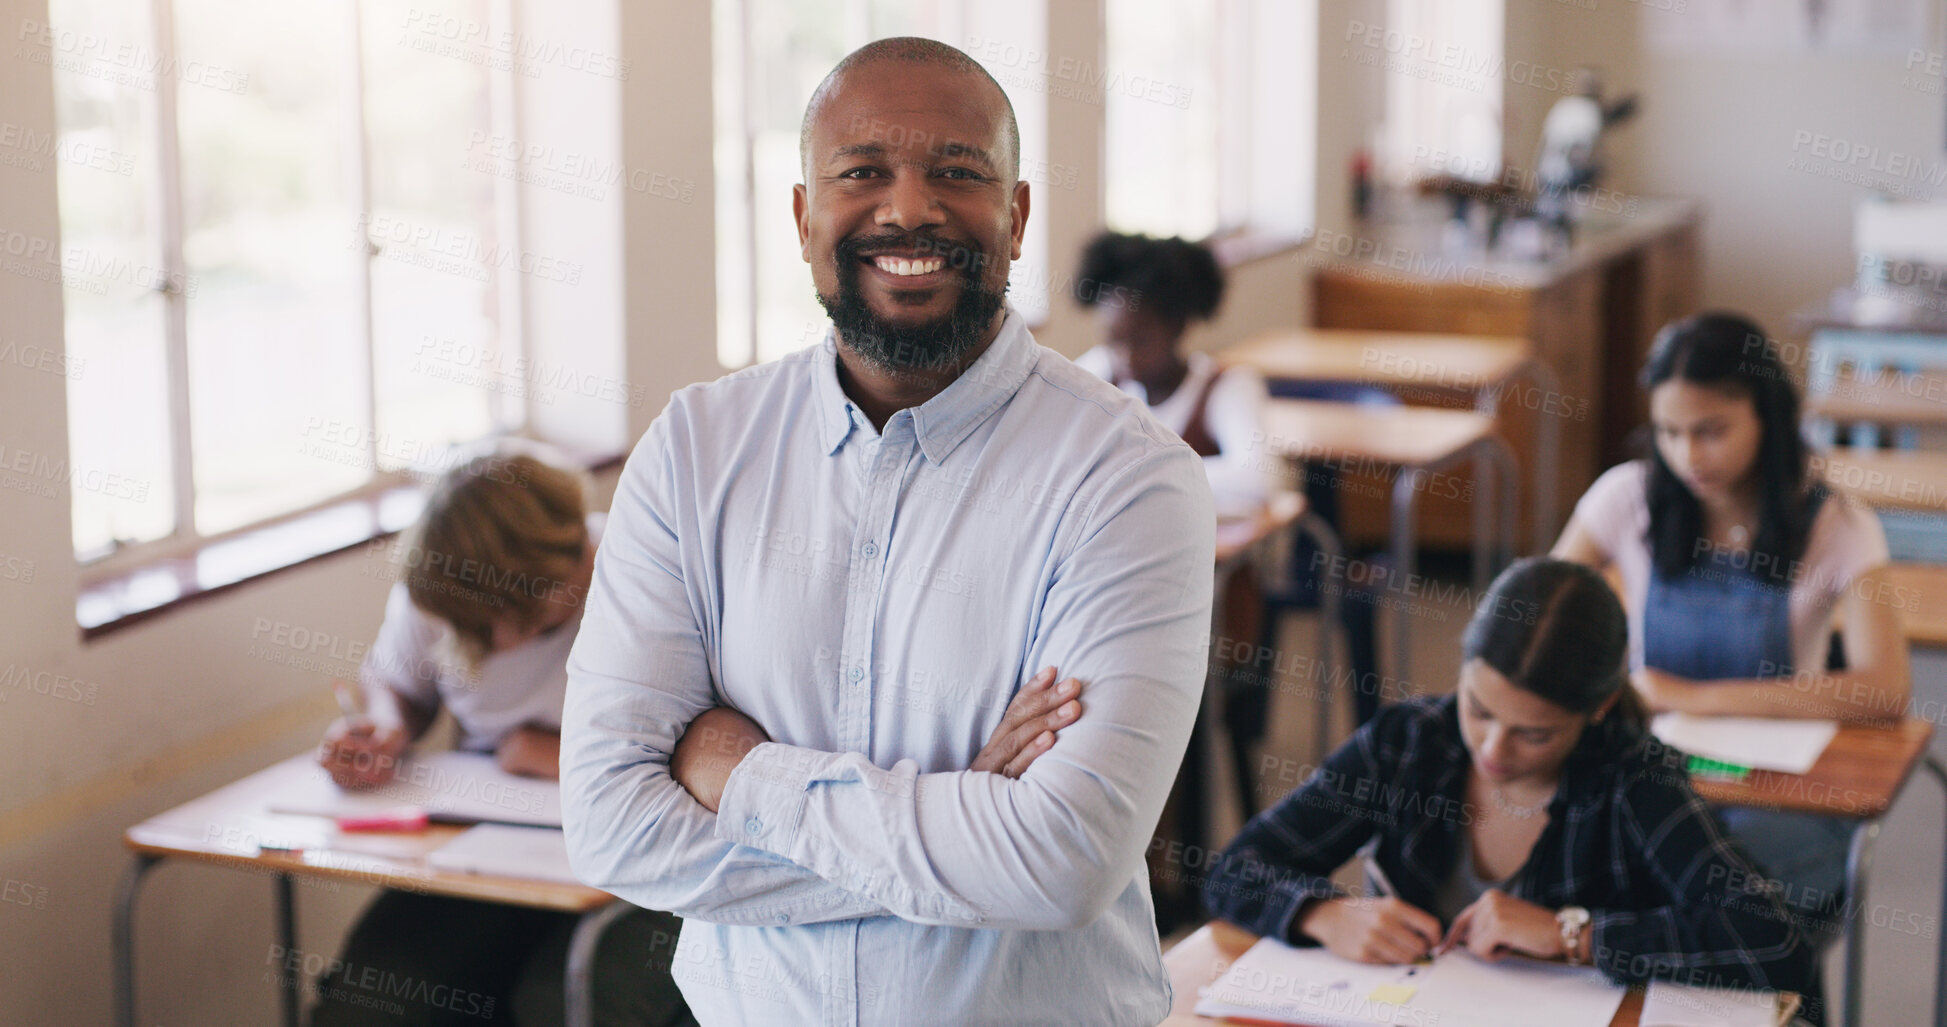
(1531, 812)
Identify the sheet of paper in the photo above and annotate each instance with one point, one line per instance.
(536, 853)
(1277, 983)
(1763, 743)
(1670, 1005)
(459, 787)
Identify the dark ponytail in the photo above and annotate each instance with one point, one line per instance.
(1556, 629)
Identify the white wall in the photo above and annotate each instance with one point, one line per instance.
(1721, 124)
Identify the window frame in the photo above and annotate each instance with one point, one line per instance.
(512, 416)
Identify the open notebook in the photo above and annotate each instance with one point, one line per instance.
(456, 787)
(533, 853)
(1274, 983)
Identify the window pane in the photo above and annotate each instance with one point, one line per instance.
(1161, 101)
(440, 367)
(104, 158)
(763, 80)
(277, 357)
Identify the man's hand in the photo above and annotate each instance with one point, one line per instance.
(711, 747)
(1028, 727)
(531, 752)
(1372, 930)
(359, 752)
(1662, 691)
(1498, 924)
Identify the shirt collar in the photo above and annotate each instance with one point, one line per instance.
(943, 422)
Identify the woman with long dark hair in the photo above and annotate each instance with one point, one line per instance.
(1734, 559)
(1529, 813)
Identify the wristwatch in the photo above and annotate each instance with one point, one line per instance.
(1572, 919)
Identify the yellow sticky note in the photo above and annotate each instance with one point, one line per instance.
(1393, 994)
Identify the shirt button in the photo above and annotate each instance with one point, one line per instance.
(872, 549)
(857, 673)
(783, 918)
(753, 826)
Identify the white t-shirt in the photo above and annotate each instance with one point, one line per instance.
(1846, 542)
(523, 685)
(1242, 475)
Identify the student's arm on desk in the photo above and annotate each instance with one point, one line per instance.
(1874, 687)
(401, 699)
(1128, 613)
(1711, 919)
(637, 677)
(1276, 874)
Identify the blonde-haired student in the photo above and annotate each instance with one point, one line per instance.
(489, 603)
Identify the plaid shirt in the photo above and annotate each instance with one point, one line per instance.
(1672, 897)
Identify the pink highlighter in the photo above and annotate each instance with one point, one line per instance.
(404, 818)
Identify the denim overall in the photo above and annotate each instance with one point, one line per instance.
(1716, 622)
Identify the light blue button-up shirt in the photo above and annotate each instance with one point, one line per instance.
(874, 600)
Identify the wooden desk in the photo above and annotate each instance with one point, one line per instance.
(1421, 442)
(1204, 956)
(1423, 368)
(233, 827)
(1924, 618)
(1857, 778)
(1887, 479)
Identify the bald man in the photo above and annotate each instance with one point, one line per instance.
(814, 706)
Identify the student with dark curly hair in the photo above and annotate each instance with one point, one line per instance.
(1146, 292)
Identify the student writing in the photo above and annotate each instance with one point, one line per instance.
(1528, 813)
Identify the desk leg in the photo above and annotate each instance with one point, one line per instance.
(287, 937)
(1859, 862)
(1328, 624)
(581, 958)
(1940, 971)
(124, 937)
(1405, 544)
(1487, 490)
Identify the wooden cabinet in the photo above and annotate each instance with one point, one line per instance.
(1590, 313)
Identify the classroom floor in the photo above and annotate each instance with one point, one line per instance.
(1906, 881)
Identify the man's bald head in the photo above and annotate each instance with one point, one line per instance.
(911, 50)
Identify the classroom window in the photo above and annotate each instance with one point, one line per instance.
(1211, 113)
(1443, 112)
(769, 55)
(273, 227)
